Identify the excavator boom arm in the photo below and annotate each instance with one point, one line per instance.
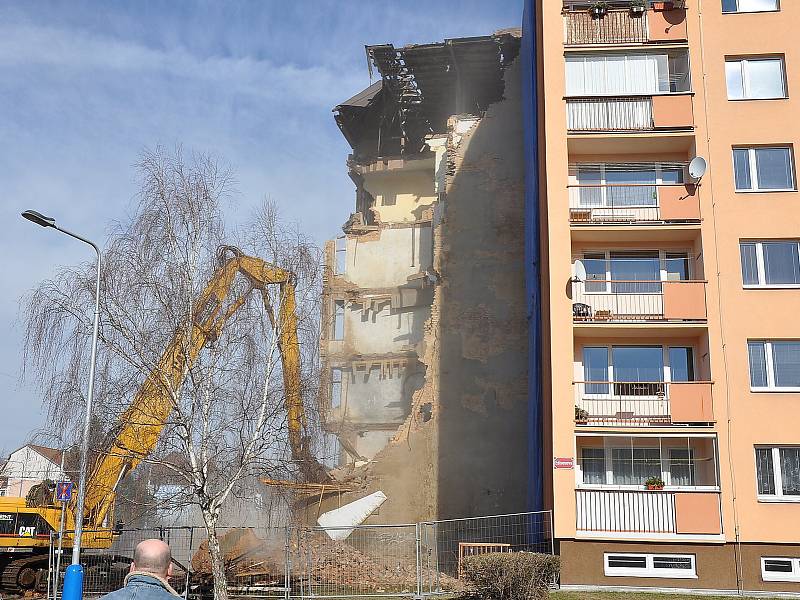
(141, 424)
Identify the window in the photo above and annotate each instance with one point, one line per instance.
(341, 255)
(763, 169)
(770, 264)
(676, 566)
(744, 6)
(593, 465)
(685, 463)
(338, 320)
(628, 185)
(635, 370)
(633, 272)
(774, 365)
(681, 363)
(595, 369)
(681, 467)
(634, 466)
(778, 473)
(618, 74)
(336, 388)
(755, 78)
(780, 569)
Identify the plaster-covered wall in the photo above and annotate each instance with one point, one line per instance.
(387, 257)
(401, 195)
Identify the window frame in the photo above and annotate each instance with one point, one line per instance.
(773, 576)
(338, 309)
(777, 474)
(744, 74)
(753, 169)
(663, 272)
(761, 266)
(666, 365)
(665, 460)
(750, 12)
(769, 365)
(649, 570)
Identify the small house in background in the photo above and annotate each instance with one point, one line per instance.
(29, 465)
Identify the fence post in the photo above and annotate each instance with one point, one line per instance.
(418, 544)
(288, 564)
(189, 564)
(552, 534)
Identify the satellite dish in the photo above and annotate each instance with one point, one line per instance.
(580, 271)
(697, 168)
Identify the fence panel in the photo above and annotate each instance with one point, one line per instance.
(366, 561)
(445, 544)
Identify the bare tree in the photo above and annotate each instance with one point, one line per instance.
(227, 421)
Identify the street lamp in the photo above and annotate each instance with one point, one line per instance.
(73, 578)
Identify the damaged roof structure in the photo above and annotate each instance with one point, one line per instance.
(421, 86)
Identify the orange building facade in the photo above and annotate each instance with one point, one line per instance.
(670, 241)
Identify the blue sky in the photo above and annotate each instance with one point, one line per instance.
(86, 86)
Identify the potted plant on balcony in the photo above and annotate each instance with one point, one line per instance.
(581, 415)
(638, 7)
(598, 9)
(654, 483)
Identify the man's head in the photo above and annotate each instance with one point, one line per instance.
(152, 556)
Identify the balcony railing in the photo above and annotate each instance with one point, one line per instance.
(604, 301)
(629, 113)
(648, 512)
(622, 26)
(633, 203)
(642, 403)
(615, 27)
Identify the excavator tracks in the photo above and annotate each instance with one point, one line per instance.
(23, 574)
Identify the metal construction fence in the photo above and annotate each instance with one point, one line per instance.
(368, 561)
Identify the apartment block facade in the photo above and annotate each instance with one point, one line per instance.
(669, 294)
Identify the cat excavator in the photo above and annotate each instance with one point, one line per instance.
(25, 531)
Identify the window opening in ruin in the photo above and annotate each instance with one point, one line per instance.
(338, 320)
(341, 256)
(336, 388)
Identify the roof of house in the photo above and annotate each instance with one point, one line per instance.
(51, 454)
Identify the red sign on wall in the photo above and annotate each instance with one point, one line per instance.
(563, 463)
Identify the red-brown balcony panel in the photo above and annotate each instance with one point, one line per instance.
(684, 300)
(697, 513)
(667, 25)
(672, 111)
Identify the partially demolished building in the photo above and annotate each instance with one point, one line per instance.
(425, 338)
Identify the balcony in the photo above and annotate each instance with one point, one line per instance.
(642, 403)
(633, 203)
(620, 26)
(601, 301)
(644, 486)
(630, 113)
(647, 513)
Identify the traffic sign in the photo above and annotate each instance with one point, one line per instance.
(64, 491)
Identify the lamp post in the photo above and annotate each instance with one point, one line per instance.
(73, 578)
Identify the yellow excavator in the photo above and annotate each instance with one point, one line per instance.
(25, 531)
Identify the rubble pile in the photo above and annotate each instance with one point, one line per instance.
(339, 563)
(318, 561)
